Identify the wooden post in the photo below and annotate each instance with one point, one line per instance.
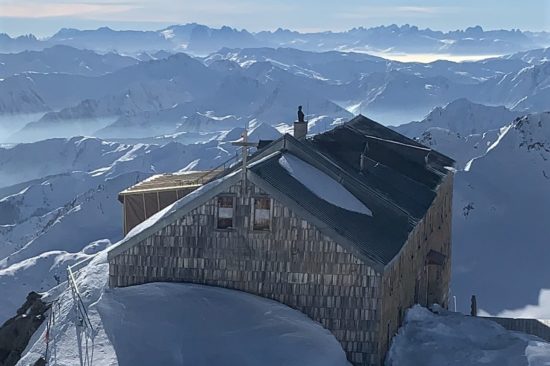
(473, 306)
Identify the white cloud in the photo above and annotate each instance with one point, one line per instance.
(539, 311)
(373, 12)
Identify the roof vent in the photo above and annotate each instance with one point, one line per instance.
(300, 126)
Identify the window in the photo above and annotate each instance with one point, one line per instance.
(225, 212)
(261, 214)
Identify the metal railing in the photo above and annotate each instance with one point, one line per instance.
(85, 349)
(82, 313)
(220, 168)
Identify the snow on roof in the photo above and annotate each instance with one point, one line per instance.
(322, 185)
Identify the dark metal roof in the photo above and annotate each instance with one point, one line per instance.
(376, 237)
(401, 170)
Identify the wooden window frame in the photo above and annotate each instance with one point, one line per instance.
(233, 198)
(253, 214)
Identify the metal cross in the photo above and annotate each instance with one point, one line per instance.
(245, 145)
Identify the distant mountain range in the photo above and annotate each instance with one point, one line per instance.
(109, 95)
(63, 59)
(201, 40)
(461, 129)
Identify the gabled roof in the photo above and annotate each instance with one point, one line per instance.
(398, 183)
(372, 238)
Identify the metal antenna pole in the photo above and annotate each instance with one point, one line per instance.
(245, 154)
(454, 300)
(245, 145)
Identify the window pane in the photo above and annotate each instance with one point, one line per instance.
(225, 223)
(225, 212)
(262, 213)
(225, 201)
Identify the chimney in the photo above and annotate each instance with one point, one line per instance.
(300, 126)
(300, 130)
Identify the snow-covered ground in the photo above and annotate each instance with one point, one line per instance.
(181, 324)
(175, 324)
(453, 339)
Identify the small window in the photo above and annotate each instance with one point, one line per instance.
(262, 214)
(225, 212)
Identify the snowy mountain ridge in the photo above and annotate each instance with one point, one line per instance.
(502, 197)
(156, 97)
(201, 39)
(501, 193)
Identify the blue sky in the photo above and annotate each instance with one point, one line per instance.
(45, 17)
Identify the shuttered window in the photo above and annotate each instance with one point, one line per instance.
(226, 212)
(261, 214)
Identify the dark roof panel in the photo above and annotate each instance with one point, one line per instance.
(378, 237)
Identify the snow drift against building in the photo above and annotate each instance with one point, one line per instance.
(453, 339)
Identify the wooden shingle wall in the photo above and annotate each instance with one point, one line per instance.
(293, 263)
(405, 281)
(140, 205)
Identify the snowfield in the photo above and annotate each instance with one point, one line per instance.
(39, 273)
(453, 339)
(182, 324)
